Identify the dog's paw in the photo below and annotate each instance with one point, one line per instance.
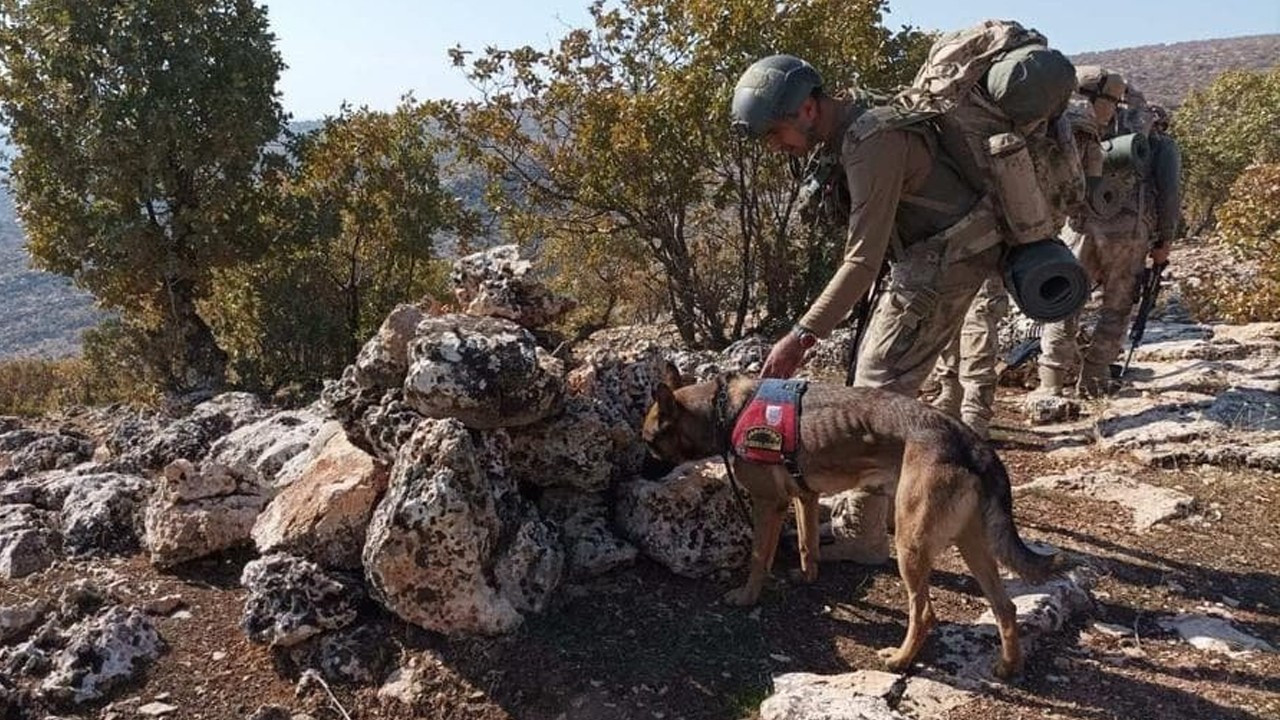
(1006, 671)
(894, 659)
(803, 577)
(741, 597)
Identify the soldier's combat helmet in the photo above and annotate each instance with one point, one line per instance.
(1095, 81)
(1160, 122)
(771, 89)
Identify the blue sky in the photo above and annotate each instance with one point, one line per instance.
(370, 52)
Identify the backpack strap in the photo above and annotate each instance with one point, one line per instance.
(920, 122)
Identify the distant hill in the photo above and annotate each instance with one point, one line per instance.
(1167, 73)
(40, 314)
(44, 315)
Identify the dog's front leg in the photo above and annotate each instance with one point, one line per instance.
(767, 521)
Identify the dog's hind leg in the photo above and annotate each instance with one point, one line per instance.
(806, 506)
(976, 551)
(915, 564)
(767, 515)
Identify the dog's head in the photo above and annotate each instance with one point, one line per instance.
(673, 433)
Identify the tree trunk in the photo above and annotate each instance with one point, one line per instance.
(199, 363)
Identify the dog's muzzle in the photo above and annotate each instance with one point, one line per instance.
(655, 468)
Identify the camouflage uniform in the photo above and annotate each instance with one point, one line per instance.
(942, 243)
(1113, 254)
(966, 370)
(1113, 251)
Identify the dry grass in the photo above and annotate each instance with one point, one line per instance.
(39, 386)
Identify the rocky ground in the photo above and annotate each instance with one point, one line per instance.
(387, 554)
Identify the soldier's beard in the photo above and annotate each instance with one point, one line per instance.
(811, 136)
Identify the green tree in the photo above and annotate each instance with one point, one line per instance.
(140, 126)
(1222, 130)
(618, 144)
(359, 216)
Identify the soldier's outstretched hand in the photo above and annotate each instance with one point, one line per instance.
(784, 358)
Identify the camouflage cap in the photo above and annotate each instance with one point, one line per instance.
(770, 89)
(1096, 81)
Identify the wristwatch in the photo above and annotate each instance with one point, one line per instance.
(806, 338)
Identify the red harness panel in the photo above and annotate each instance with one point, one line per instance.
(768, 428)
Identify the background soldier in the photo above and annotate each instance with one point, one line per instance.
(1110, 243)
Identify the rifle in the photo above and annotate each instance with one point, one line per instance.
(1150, 291)
(862, 316)
(1020, 354)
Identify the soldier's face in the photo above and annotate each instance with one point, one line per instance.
(788, 137)
(796, 134)
(1104, 109)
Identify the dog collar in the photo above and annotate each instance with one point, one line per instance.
(723, 423)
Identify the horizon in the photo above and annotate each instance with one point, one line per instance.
(393, 47)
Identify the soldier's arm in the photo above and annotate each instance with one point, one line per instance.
(876, 169)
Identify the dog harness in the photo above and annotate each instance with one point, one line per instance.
(767, 430)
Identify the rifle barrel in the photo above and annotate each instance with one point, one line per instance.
(1150, 290)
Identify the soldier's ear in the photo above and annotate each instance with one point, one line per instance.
(671, 376)
(665, 397)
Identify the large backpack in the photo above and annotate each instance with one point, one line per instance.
(998, 77)
(988, 80)
(995, 94)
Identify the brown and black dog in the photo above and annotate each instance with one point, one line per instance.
(951, 489)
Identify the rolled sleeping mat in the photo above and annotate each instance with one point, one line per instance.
(1045, 280)
(1107, 196)
(1031, 83)
(1126, 153)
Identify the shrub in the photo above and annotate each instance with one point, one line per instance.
(1249, 230)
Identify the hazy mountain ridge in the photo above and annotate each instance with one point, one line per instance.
(43, 314)
(40, 313)
(1167, 73)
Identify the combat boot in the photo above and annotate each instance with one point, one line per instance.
(1095, 380)
(859, 522)
(979, 425)
(1051, 381)
(950, 394)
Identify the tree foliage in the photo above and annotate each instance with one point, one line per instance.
(1222, 130)
(358, 218)
(617, 142)
(1249, 229)
(140, 126)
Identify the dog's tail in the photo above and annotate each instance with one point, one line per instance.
(997, 512)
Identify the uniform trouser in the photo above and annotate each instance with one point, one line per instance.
(1113, 254)
(966, 370)
(924, 301)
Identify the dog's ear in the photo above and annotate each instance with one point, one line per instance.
(671, 376)
(665, 397)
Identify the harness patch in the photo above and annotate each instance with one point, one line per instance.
(768, 428)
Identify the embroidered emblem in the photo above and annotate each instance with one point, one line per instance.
(768, 428)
